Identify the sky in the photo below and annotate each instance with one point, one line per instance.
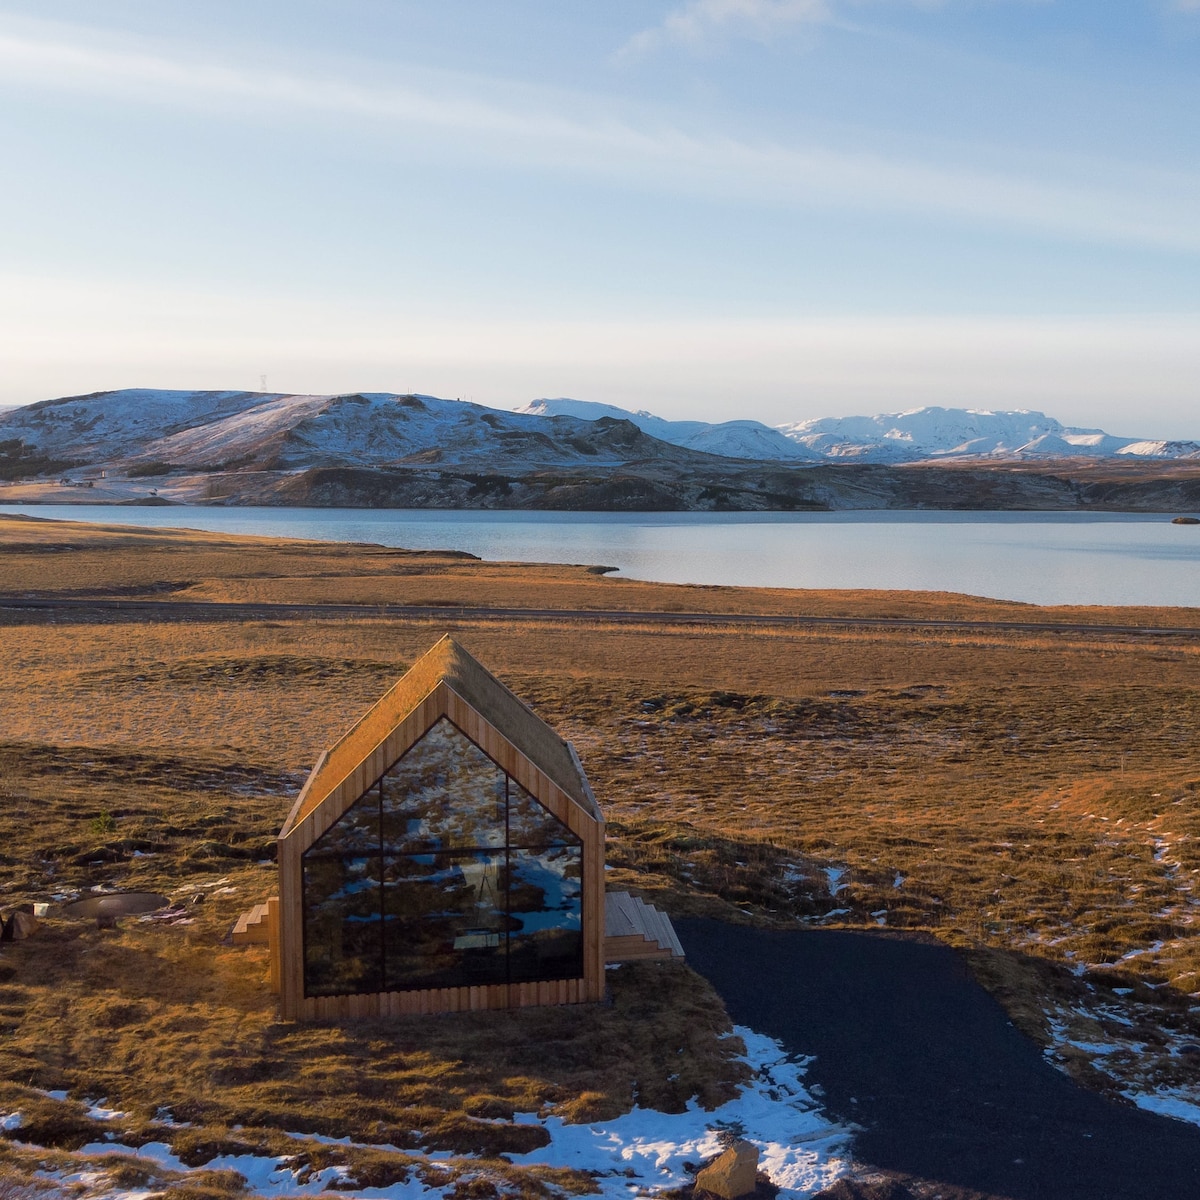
(715, 209)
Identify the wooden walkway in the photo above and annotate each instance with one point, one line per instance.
(635, 929)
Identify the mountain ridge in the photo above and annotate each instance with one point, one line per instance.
(914, 435)
(418, 451)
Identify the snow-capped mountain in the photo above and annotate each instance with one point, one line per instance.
(941, 433)
(283, 432)
(277, 432)
(913, 436)
(731, 439)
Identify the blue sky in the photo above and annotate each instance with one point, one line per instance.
(777, 209)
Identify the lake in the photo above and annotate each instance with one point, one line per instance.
(1042, 558)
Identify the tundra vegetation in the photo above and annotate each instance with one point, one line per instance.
(1026, 788)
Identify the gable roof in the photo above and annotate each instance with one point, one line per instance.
(448, 663)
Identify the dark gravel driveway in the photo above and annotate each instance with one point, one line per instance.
(912, 1049)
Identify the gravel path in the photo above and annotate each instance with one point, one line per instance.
(141, 609)
(915, 1052)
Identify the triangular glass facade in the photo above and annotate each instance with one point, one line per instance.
(444, 873)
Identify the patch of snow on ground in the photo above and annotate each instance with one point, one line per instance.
(264, 1175)
(801, 1150)
(1130, 1069)
(98, 1112)
(1167, 1104)
(835, 875)
(834, 912)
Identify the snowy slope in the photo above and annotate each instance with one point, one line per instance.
(105, 425)
(1161, 449)
(730, 439)
(380, 429)
(284, 432)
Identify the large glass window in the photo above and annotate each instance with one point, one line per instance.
(445, 873)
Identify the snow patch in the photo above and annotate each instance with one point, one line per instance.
(801, 1150)
(1167, 1104)
(835, 875)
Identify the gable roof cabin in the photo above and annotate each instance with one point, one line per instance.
(446, 854)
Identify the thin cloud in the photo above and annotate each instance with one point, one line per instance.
(485, 121)
(696, 22)
(701, 23)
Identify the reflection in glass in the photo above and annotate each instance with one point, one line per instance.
(342, 932)
(443, 794)
(357, 829)
(445, 873)
(545, 896)
(530, 824)
(445, 920)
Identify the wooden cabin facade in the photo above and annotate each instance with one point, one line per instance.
(446, 854)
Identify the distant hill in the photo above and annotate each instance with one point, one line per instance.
(731, 439)
(205, 430)
(415, 451)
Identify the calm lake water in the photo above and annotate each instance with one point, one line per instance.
(1043, 558)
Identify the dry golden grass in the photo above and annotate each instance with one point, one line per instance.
(160, 1016)
(1032, 796)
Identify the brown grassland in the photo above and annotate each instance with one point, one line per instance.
(1031, 796)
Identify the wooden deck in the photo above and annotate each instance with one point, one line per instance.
(635, 929)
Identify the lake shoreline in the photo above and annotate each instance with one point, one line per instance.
(1052, 558)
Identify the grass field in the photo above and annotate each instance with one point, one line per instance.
(1030, 796)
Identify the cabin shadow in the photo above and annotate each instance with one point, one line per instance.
(926, 1064)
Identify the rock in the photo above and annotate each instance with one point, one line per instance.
(733, 1174)
(23, 925)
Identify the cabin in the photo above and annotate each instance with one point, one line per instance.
(446, 854)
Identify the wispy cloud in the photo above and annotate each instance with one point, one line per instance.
(699, 24)
(511, 125)
(698, 21)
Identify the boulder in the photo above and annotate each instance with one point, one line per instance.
(19, 925)
(23, 925)
(733, 1174)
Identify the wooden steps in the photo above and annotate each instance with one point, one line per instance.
(252, 926)
(635, 929)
